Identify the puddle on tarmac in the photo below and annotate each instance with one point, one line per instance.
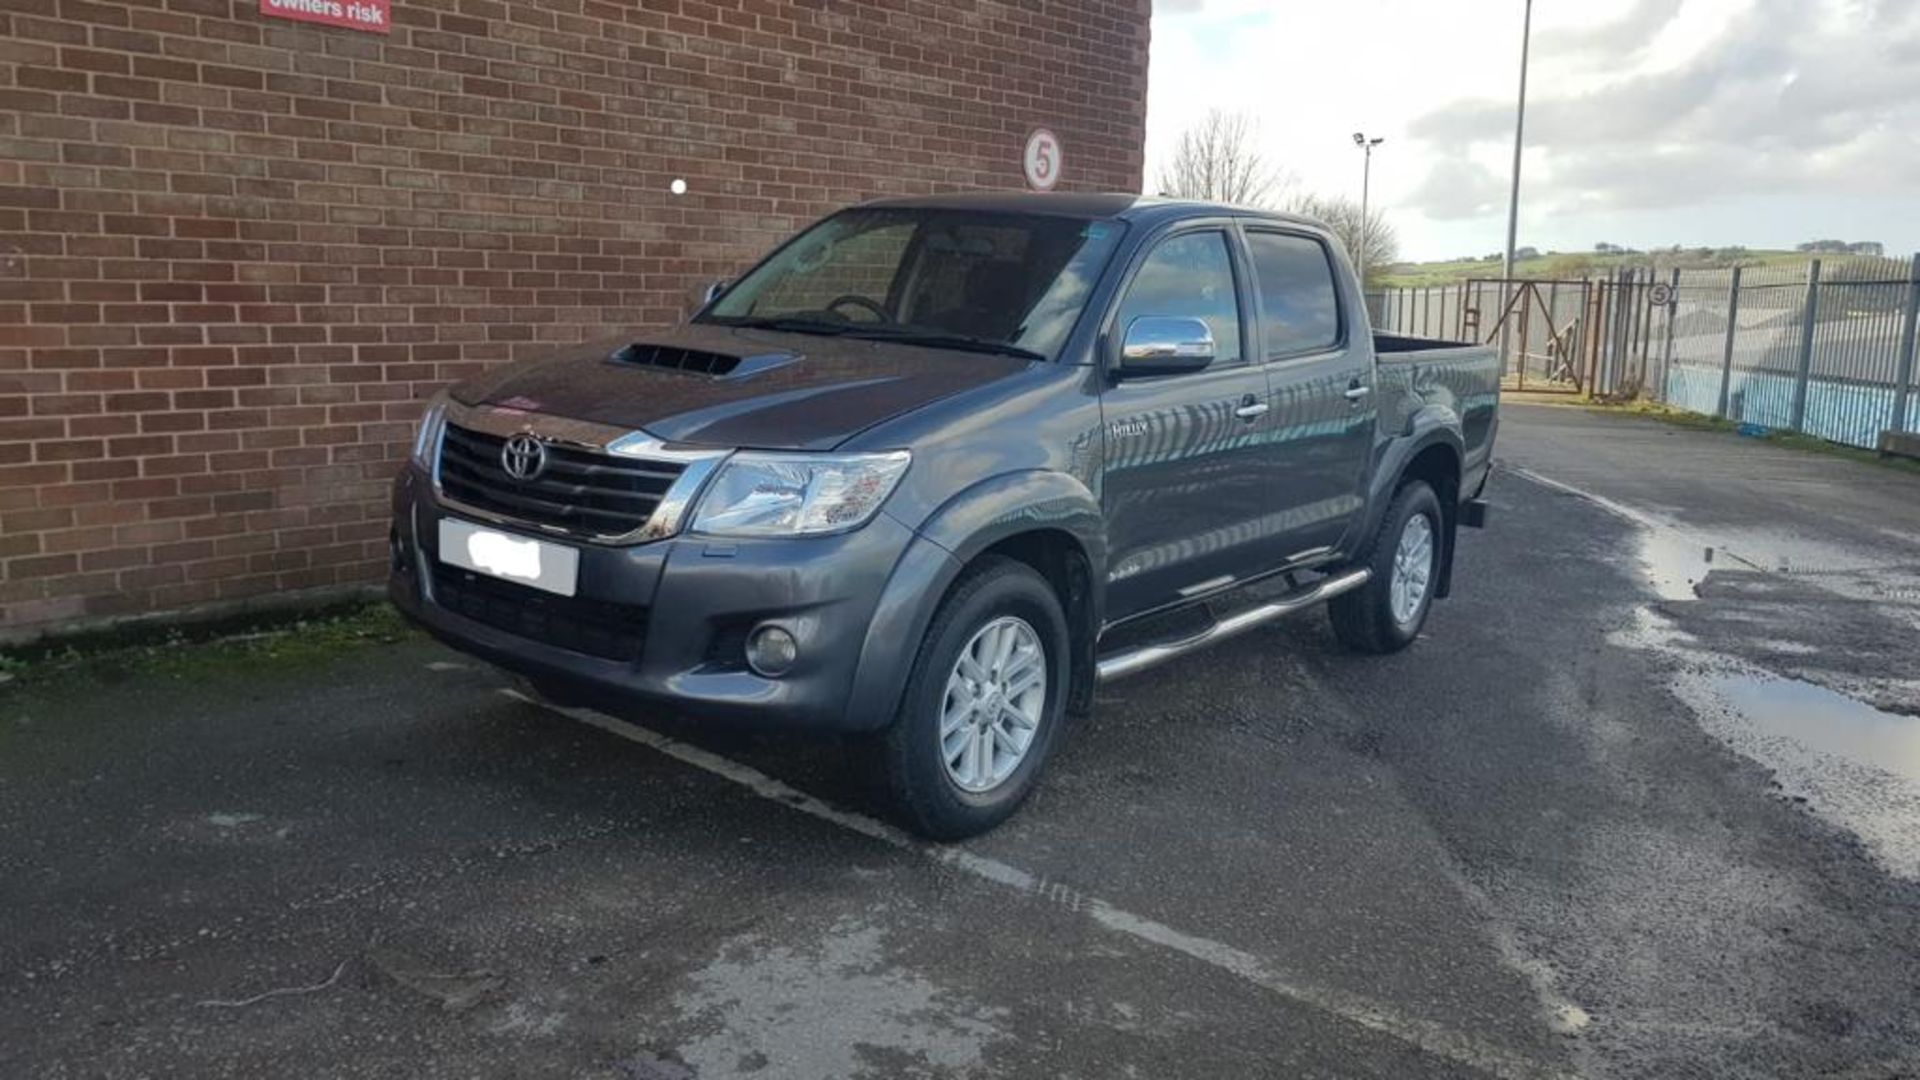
(1676, 559)
(1675, 563)
(1852, 764)
(1822, 720)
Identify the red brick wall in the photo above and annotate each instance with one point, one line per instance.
(236, 252)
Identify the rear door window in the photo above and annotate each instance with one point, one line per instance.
(1299, 307)
(1190, 275)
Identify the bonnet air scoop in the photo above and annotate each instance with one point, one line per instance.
(699, 362)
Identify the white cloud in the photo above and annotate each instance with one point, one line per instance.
(1751, 110)
(1458, 187)
(1652, 115)
(1622, 37)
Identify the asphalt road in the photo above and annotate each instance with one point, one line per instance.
(1588, 825)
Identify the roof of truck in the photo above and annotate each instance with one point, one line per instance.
(1146, 209)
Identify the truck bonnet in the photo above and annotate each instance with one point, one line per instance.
(735, 387)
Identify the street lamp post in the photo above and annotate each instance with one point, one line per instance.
(1513, 194)
(1366, 183)
(1519, 141)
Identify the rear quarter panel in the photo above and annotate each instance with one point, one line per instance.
(1439, 384)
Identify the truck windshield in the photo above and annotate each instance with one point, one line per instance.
(1002, 283)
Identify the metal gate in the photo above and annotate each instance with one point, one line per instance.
(1544, 327)
(1610, 337)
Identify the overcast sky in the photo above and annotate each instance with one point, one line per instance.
(1649, 122)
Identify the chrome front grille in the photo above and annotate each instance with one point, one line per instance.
(581, 491)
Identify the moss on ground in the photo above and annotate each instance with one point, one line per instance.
(282, 641)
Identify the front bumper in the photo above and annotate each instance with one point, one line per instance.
(691, 601)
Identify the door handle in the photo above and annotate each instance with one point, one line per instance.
(1356, 391)
(1251, 410)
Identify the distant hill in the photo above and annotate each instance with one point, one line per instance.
(1573, 265)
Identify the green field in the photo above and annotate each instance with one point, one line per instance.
(1572, 265)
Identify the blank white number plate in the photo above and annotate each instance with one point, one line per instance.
(553, 568)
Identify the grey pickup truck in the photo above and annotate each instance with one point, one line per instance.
(936, 467)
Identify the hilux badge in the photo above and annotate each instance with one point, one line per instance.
(523, 457)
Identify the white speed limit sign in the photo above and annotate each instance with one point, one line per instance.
(1042, 162)
(1661, 294)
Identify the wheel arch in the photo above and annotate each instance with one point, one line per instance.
(1047, 520)
(1433, 452)
(1059, 556)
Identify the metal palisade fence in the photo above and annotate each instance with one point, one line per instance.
(1826, 347)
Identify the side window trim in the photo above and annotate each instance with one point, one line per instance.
(1341, 341)
(1238, 264)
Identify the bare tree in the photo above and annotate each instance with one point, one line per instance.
(1372, 245)
(1219, 160)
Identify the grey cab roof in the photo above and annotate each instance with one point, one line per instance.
(1144, 209)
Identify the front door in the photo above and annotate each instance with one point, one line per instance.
(1321, 374)
(1186, 483)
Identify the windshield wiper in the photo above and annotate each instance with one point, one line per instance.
(939, 339)
(792, 324)
(908, 335)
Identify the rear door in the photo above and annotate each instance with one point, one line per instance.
(1315, 348)
(1186, 483)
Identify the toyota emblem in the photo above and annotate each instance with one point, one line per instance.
(523, 457)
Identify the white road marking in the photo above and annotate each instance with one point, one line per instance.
(1676, 559)
(1638, 517)
(1425, 1035)
(1770, 552)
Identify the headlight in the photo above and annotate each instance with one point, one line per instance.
(766, 494)
(426, 440)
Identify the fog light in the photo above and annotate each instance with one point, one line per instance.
(771, 651)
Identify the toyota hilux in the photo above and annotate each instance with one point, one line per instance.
(937, 467)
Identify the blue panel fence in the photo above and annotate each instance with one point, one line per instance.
(1852, 413)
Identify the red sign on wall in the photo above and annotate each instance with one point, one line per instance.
(368, 15)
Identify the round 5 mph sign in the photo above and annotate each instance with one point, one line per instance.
(1042, 161)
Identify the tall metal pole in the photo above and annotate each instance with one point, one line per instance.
(1366, 189)
(1519, 142)
(1513, 195)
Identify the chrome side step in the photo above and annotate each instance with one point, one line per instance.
(1137, 660)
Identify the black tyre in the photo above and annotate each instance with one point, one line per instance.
(983, 706)
(1386, 613)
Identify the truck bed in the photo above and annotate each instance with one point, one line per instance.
(1419, 373)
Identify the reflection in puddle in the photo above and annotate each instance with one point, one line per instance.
(1676, 564)
(1825, 721)
(1854, 765)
